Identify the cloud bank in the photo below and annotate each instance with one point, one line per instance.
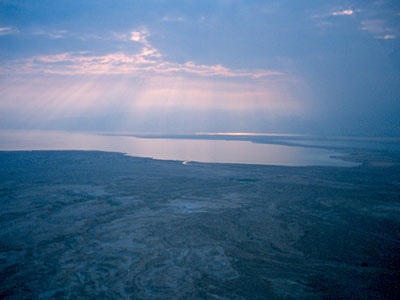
(148, 60)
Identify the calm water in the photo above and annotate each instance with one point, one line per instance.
(221, 151)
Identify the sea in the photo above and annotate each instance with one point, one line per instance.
(239, 148)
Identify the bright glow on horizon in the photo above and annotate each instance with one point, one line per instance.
(247, 134)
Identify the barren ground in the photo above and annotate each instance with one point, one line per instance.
(97, 225)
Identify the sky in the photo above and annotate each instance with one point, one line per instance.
(305, 67)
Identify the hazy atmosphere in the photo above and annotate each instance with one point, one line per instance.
(199, 149)
(320, 67)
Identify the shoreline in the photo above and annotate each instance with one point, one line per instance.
(346, 158)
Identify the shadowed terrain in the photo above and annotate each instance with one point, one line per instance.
(97, 225)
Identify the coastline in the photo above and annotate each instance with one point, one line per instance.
(202, 150)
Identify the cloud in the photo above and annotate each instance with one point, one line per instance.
(379, 29)
(373, 26)
(141, 84)
(55, 34)
(386, 37)
(335, 13)
(136, 36)
(152, 52)
(148, 49)
(139, 36)
(376, 24)
(346, 12)
(121, 36)
(8, 30)
(147, 61)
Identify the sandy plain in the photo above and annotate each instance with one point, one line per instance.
(98, 225)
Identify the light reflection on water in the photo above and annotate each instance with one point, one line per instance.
(221, 151)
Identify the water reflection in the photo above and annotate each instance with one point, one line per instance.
(221, 151)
